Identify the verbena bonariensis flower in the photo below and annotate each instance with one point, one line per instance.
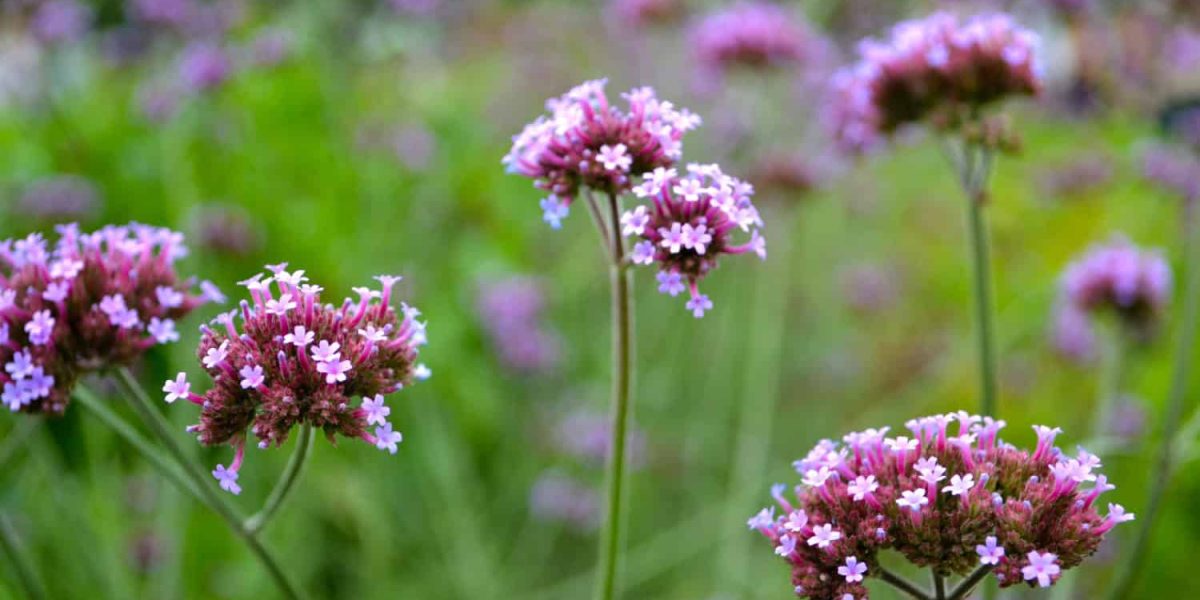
(643, 13)
(1117, 276)
(1175, 170)
(59, 198)
(753, 35)
(511, 311)
(933, 69)
(93, 301)
(690, 223)
(296, 361)
(204, 66)
(953, 503)
(585, 142)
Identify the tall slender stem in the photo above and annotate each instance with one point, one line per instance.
(170, 470)
(1127, 577)
(622, 340)
(939, 586)
(286, 483)
(974, 169)
(142, 404)
(903, 584)
(10, 543)
(964, 589)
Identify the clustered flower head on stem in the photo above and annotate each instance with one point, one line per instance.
(953, 501)
(689, 225)
(751, 35)
(937, 70)
(93, 301)
(295, 361)
(586, 142)
(511, 311)
(1116, 277)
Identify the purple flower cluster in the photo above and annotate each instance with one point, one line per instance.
(587, 142)
(93, 301)
(511, 310)
(953, 503)
(643, 13)
(558, 498)
(1134, 284)
(934, 69)
(296, 361)
(755, 35)
(60, 21)
(689, 225)
(59, 198)
(1175, 170)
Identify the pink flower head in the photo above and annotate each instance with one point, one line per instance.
(1119, 277)
(999, 506)
(90, 302)
(690, 224)
(936, 68)
(755, 35)
(587, 142)
(268, 376)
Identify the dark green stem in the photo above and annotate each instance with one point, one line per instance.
(287, 482)
(622, 340)
(903, 584)
(1136, 556)
(939, 586)
(964, 589)
(10, 543)
(142, 404)
(974, 180)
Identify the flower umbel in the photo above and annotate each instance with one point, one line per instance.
(93, 301)
(690, 224)
(1024, 514)
(295, 361)
(585, 142)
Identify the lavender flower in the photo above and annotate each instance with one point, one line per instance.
(689, 225)
(511, 312)
(755, 35)
(948, 502)
(586, 142)
(92, 302)
(933, 69)
(296, 361)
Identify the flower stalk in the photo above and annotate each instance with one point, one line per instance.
(27, 576)
(622, 340)
(974, 167)
(287, 482)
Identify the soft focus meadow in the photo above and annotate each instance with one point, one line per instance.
(354, 139)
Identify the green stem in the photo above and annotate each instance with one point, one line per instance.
(622, 334)
(965, 588)
(286, 483)
(142, 404)
(903, 584)
(939, 586)
(170, 470)
(10, 543)
(1136, 557)
(976, 167)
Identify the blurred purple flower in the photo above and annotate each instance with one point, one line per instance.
(271, 47)
(1128, 419)
(227, 230)
(146, 551)
(870, 287)
(1072, 335)
(644, 13)
(1077, 177)
(587, 435)
(59, 199)
(168, 13)
(557, 498)
(511, 311)
(755, 35)
(58, 21)
(1181, 52)
(158, 103)
(1174, 169)
(414, 146)
(204, 66)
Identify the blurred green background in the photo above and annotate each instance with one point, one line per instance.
(374, 145)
